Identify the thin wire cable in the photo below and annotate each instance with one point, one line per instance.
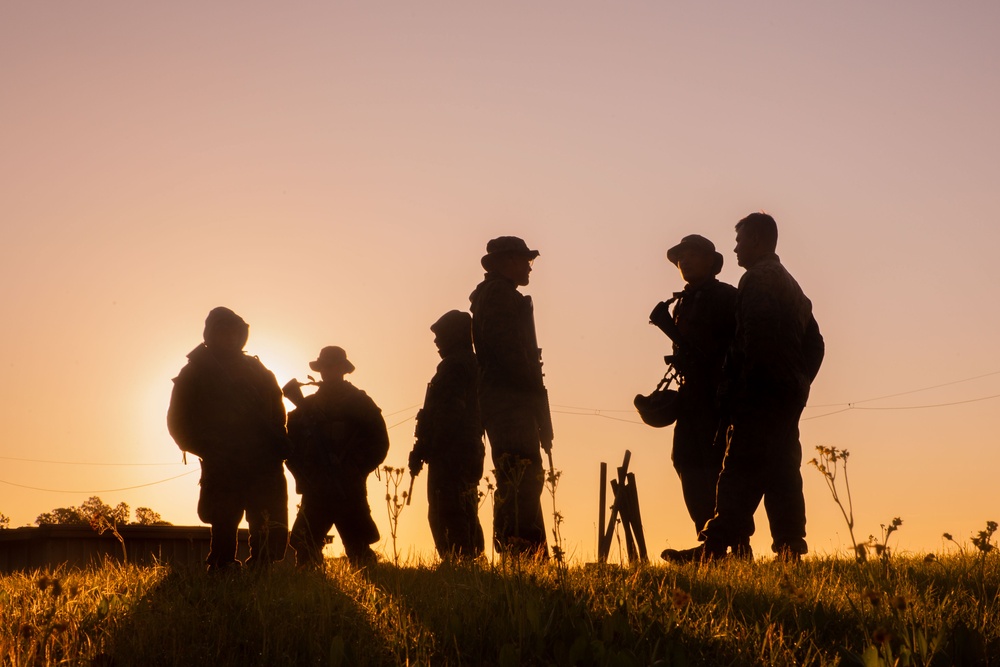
(124, 488)
(932, 405)
(84, 463)
(598, 413)
(586, 410)
(400, 423)
(392, 414)
(911, 391)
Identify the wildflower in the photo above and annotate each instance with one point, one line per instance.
(43, 583)
(948, 537)
(930, 558)
(881, 635)
(56, 588)
(680, 598)
(898, 603)
(874, 597)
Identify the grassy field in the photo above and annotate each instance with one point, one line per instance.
(907, 611)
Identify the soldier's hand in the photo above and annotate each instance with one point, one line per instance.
(661, 314)
(293, 391)
(416, 464)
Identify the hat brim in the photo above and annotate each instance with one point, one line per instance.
(674, 255)
(489, 258)
(344, 366)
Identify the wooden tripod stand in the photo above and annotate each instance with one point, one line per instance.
(626, 507)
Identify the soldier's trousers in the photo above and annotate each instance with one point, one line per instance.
(263, 497)
(518, 522)
(763, 460)
(453, 508)
(318, 513)
(698, 485)
(697, 455)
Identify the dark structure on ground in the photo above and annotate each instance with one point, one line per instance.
(79, 546)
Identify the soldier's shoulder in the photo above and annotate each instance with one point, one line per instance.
(721, 289)
(496, 290)
(359, 397)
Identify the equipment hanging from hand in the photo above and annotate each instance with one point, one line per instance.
(659, 408)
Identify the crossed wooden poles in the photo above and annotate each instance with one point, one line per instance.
(625, 506)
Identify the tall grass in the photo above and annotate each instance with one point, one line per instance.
(830, 611)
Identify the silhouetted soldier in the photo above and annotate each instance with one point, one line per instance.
(512, 395)
(226, 409)
(338, 438)
(449, 438)
(701, 328)
(776, 354)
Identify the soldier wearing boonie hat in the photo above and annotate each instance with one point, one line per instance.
(512, 395)
(338, 438)
(701, 328)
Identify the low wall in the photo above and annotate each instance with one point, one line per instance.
(80, 546)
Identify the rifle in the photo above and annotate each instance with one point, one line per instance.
(543, 414)
(421, 436)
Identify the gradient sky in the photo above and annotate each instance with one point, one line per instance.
(332, 172)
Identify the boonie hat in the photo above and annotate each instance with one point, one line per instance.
(695, 242)
(332, 357)
(506, 245)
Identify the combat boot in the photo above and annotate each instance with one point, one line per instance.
(703, 553)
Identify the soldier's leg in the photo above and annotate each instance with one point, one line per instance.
(221, 507)
(312, 523)
(698, 485)
(357, 529)
(453, 511)
(440, 509)
(267, 516)
(518, 521)
(783, 497)
(741, 484)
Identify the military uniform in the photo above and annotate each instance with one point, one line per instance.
(776, 354)
(450, 441)
(338, 438)
(511, 393)
(227, 410)
(703, 322)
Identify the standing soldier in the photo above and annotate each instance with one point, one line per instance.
(777, 352)
(449, 438)
(701, 328)
(512, 395)
(338, 438)
(226, 409)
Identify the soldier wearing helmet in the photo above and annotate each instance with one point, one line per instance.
(226, 409)
(449, 438)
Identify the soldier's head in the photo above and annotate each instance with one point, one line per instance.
(509, 257)
(332, 363)
(697, 259)
(453, 331)
(225, 331)
(756, 237)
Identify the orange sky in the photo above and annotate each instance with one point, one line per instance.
(332, 172)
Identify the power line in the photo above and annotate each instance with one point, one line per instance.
(84, 463)
(586, 412)
(911, 391)
(125, 488)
